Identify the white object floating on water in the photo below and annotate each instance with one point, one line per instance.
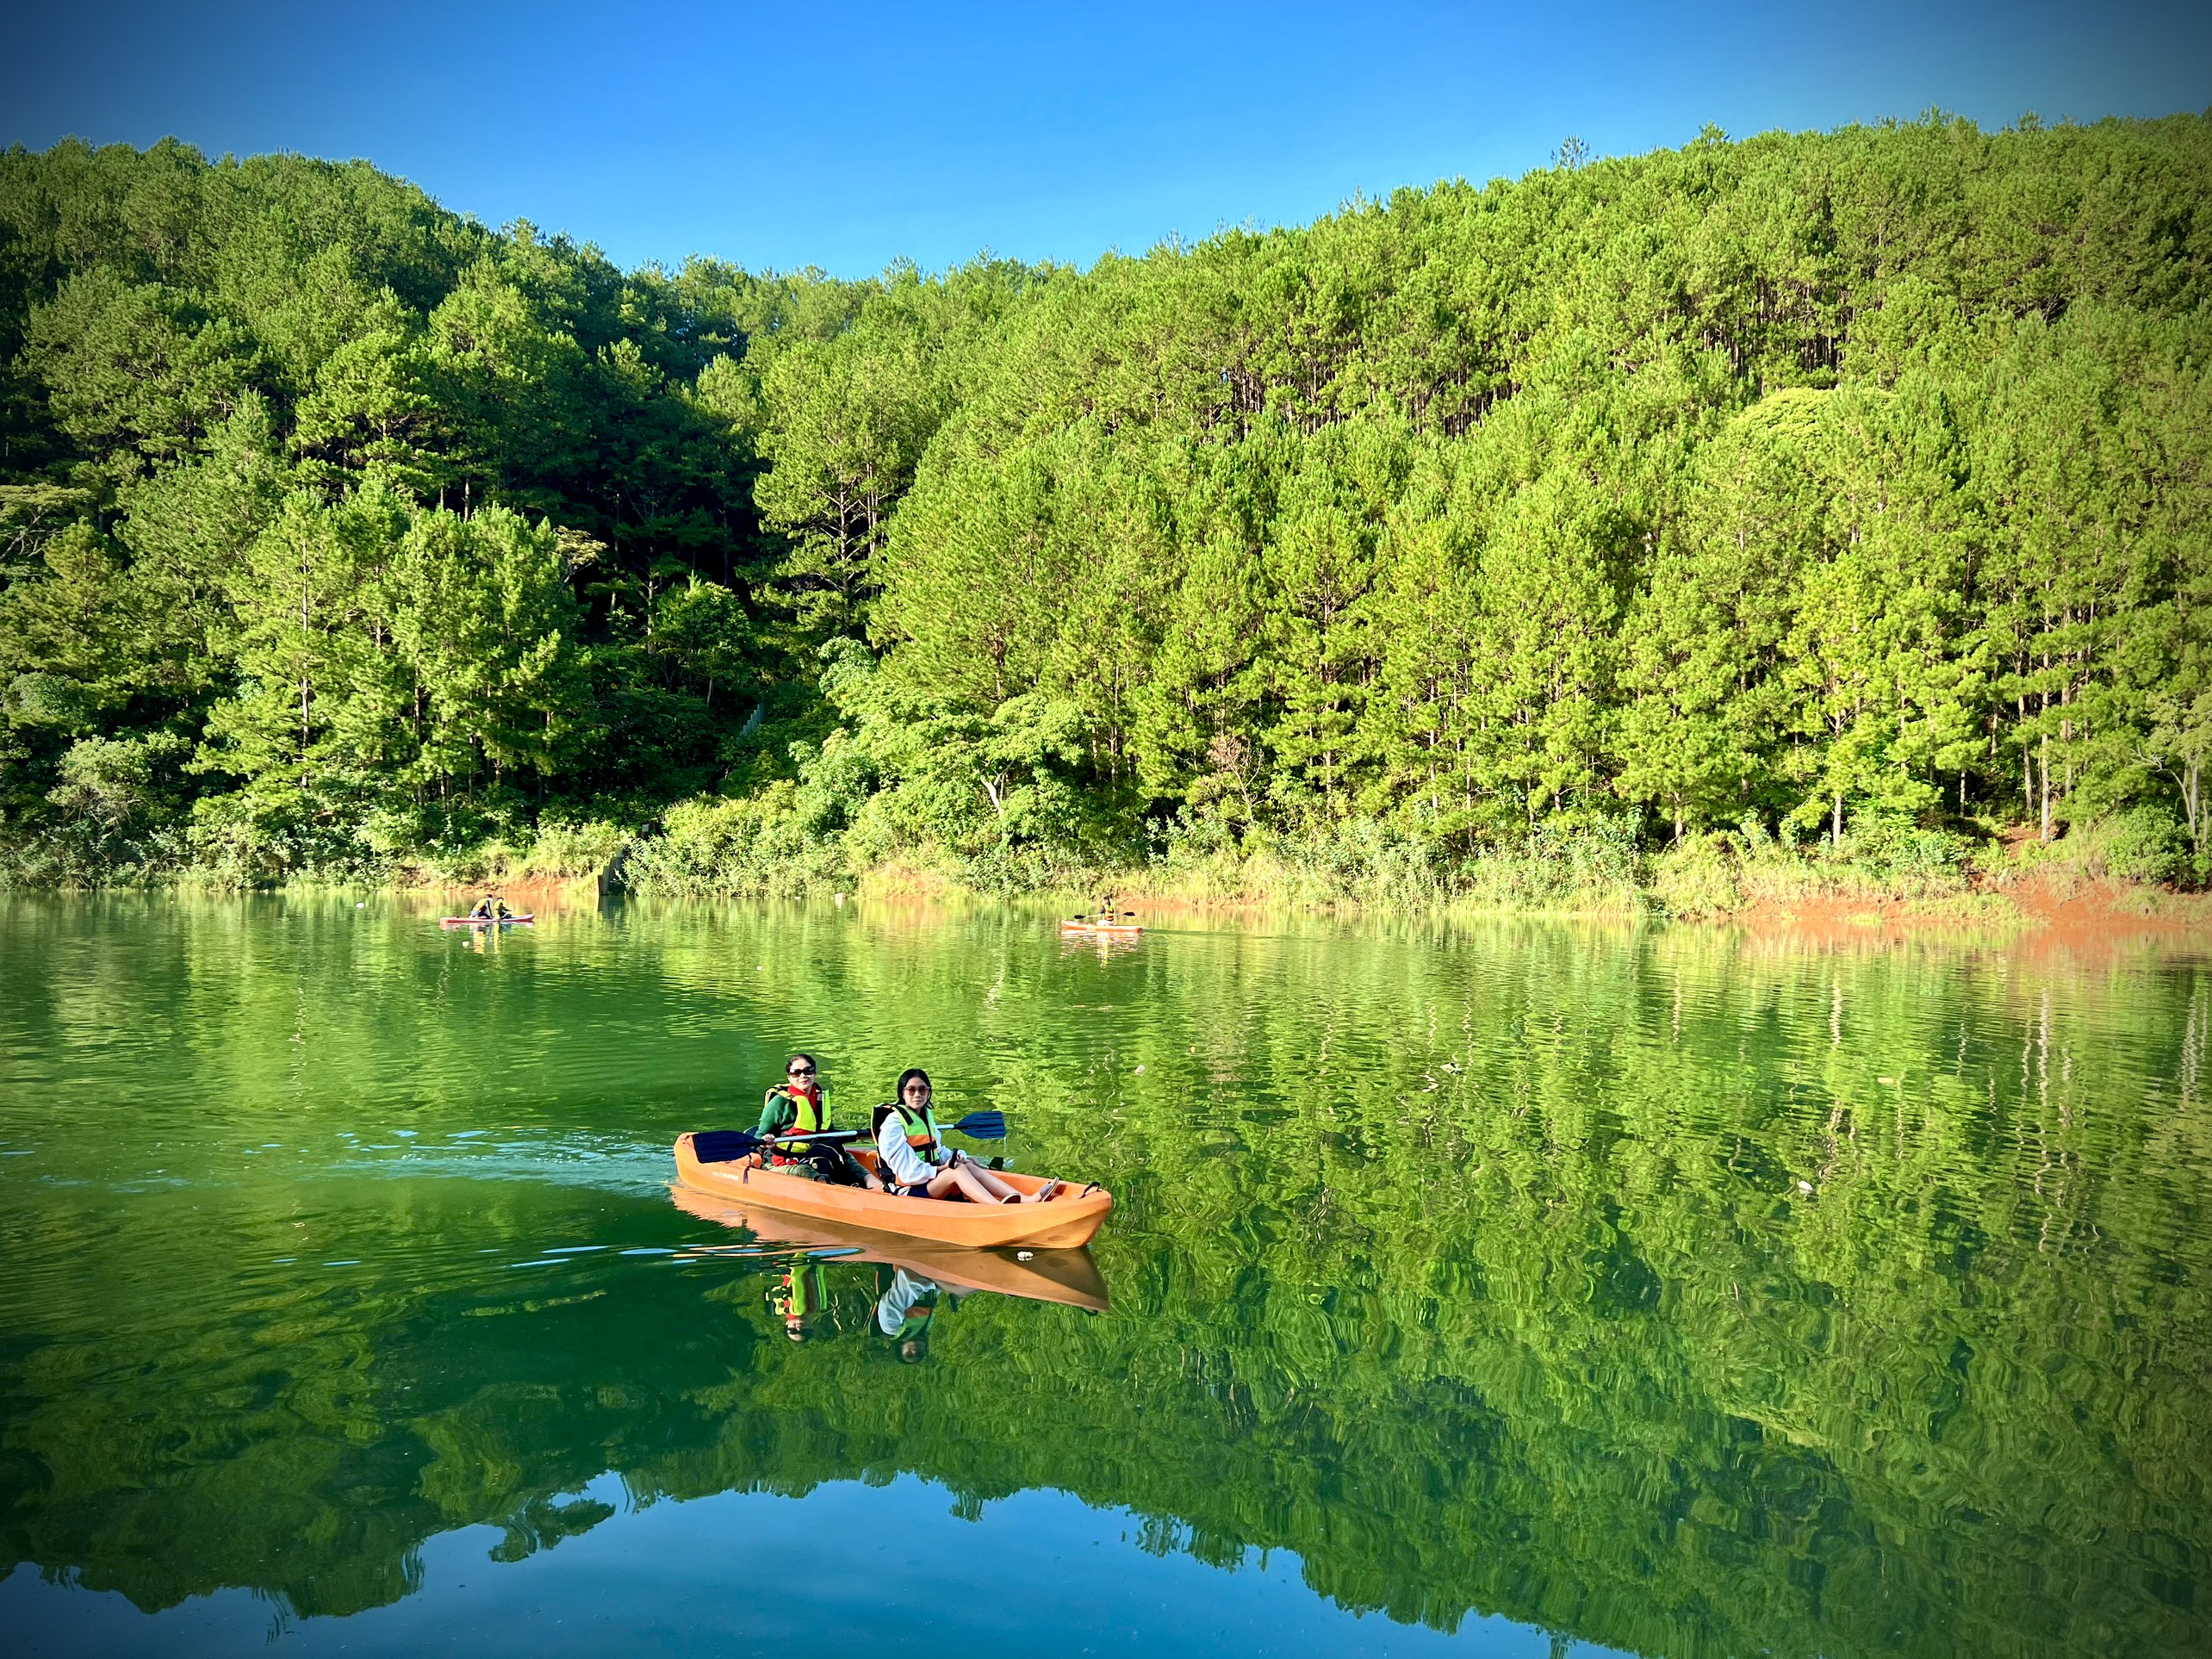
(1023, 1255)
(1804, 1186)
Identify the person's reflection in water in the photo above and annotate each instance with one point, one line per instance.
(802, 1298)
(905, 1311)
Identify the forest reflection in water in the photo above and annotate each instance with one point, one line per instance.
(1670, 1289)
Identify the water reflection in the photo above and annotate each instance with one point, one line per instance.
(1675, 1292)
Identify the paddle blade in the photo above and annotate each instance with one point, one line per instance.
(984, 1126)
(723, 1145)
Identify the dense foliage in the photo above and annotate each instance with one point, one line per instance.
(1850, 485)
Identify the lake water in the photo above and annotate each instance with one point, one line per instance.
(1516, 1289)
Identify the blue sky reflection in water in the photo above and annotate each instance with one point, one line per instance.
(681, 1579)
(1673, 1291)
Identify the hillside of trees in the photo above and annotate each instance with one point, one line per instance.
(1845, 488)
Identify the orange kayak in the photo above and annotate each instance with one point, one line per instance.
(1065, 1220)
(1116, 928)
(486, 921)
(1067, 1276)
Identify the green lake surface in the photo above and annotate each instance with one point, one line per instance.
(1516, 1288)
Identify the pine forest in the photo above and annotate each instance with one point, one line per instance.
(1837, 498)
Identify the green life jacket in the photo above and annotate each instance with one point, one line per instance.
(809, 1116)
(921, 1127)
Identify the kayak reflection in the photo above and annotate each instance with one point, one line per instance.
(1070, 1277)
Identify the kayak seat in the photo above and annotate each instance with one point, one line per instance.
(722, 1145)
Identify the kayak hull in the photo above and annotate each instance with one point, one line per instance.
(1114, 931)
(487, 921)
(1067, 1276)
(1069, 1219)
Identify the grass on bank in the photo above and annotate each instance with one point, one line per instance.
(760, 846)
(764, 845)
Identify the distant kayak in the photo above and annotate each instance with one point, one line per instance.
(1068, 1219)
(487, 921)
(1119, 929)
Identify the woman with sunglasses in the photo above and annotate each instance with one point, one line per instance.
(915, 1164)
(797, 1107)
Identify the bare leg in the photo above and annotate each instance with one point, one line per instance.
(1007, 1192)
(962, 1178)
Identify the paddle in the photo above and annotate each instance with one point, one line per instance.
(727, 1146)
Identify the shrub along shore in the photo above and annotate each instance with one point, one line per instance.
(2107, 876)
(1819, 513)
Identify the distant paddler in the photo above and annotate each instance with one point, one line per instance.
(490, 908)
(1105, 919)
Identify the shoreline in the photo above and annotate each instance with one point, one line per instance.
(2046, 909)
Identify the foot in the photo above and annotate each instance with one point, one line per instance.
(1046, 1191)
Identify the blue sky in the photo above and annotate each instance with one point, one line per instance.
(846, 136)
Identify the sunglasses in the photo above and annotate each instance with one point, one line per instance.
(802, 1071)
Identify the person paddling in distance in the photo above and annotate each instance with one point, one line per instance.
(796, 1108)
(917, 1166)
(490, 908)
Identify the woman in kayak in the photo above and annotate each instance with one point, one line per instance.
(797, 1107)
(490, 908)
(918, 1166)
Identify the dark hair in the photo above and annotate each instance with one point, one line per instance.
(910, 1074)
(801, 1055)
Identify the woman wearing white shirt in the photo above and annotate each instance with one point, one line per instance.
(916, 1165)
